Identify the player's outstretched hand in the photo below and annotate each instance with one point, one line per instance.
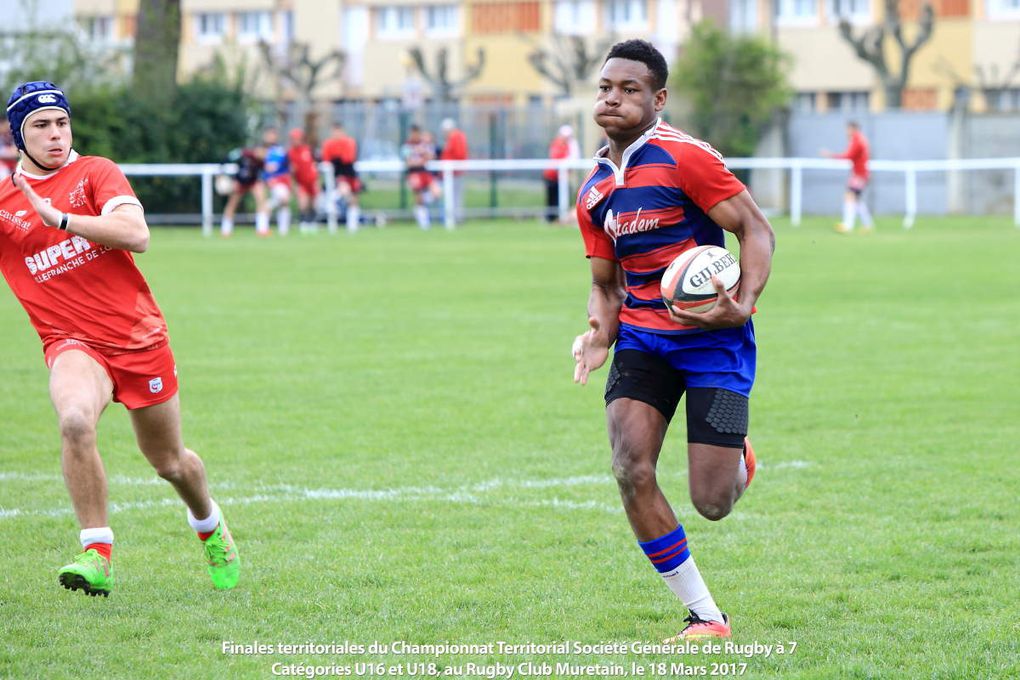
(590, 351)
(727, 313)
(50, 215)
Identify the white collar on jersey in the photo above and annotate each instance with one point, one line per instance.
(602, 155)
(71, 158)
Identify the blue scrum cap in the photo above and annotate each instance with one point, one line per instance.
(28, 98)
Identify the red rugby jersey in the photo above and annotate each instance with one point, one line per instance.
(650, 210)
(71, 287)
(857, 152)
(302, 163)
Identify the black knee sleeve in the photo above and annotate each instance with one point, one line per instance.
(717, 417)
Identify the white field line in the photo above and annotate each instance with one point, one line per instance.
(481, 493)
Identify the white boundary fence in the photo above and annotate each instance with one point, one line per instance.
(795, 166)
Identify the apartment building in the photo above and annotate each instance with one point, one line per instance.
(377, 36)
(974, 49)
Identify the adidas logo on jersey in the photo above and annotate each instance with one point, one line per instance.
(594, 196)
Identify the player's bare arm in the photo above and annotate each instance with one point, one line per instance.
(741, 216)
(124, 227)
(591, 349)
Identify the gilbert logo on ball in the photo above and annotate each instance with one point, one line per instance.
(687, 283)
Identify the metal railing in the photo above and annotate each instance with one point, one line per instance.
(447, 169)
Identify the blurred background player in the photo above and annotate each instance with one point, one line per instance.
(562, 146)
(276, 177)
(341, 151)
(455, 148)
(632, 230)
(857, 152)
(417, 151)
(66, 251)
(247, 180)
(306, 178)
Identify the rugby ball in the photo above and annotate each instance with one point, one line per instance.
(224, 185)
(687, 283)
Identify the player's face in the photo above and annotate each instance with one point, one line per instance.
(47, 136)
(627, 102)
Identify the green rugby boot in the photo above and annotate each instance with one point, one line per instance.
(221, 554)
(90, 572)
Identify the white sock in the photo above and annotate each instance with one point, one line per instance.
(261, 223)
(421, 212)
(283, 220)
(227, 227)
(686, 583)
(96, 535)
(353, 218)
(849, 211)
(742, 473)
(204, 526)
(862, 210)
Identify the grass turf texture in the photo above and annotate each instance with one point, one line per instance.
(390, 424)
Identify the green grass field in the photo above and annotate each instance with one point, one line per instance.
(390, 424)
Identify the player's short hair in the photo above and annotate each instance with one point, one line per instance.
(28, 98)
(854, 124)
(647, 54)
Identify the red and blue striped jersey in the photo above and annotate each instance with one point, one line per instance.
(652, 208)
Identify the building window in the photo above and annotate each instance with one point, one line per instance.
(443, 20)
(209, 26)
(1004, 9)
(805, 102)
(394, 22)
(852, 10)
(254, 26)
(626, 15)
(287, 24)
(743, 16)
(798, 12)
(574, 17)
(1003, 99)
(98, 29)
(847, 101)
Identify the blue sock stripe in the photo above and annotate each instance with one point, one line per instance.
(668, 552)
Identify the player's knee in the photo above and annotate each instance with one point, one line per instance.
(633, 473)
(712, 507)
(77, 427)
(169, 467)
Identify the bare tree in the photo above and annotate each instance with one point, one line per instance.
(156, 46)
(568, 61)
(295, 69)
(989, 78)
(443, 86)
(870, 47)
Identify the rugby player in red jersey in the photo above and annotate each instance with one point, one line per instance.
(341, 151)
(858, 153)
(306, 178)
(68, 226)
(655, 192)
